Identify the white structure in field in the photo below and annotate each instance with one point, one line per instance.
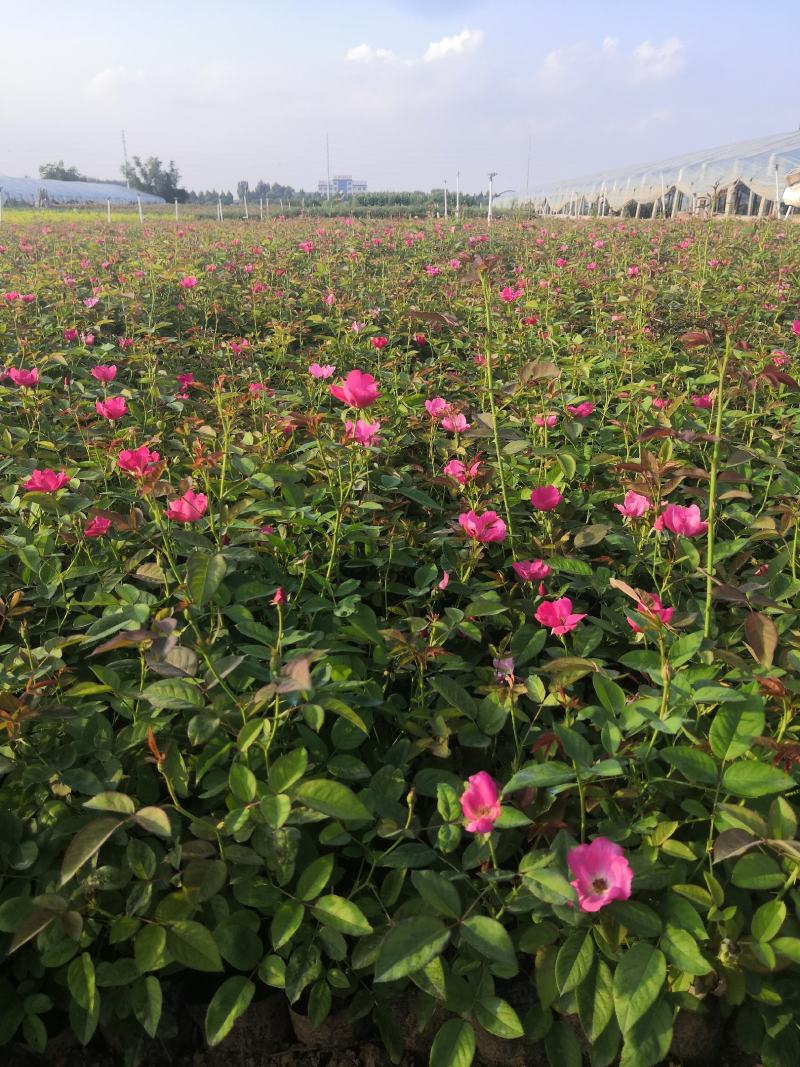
(42, 191)
(747, 178)
(341, 186)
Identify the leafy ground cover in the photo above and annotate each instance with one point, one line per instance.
(401, 620)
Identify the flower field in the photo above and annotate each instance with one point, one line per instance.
(402, 622)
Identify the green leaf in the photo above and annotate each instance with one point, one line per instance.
(782, 823)
(154, 820)
(454, 1045)
(749, 778)
(149, 948)
(767, 920)
(116, 802)
(693, 764)
(332, 798)
(192, 945)
(204, 574)
(648, 1041)
(489, 938)
(242, 783)
(83, 1022)
(683, 952)
(231, 1000)
(319, 1003)
(438, 893)
(314, 878)
(574, 961)
(498, 1017)
(754, 870)
(562, 1046)
(638, 981)
(81, 981)
(540, 776)
(735, 726)
(408, 946)
(31, 926)
(173, 693)
(788, 947)
(682, 650)
(636, 917)
(596, 1000)
(342, 915)
(454, 694)
(610, 695)
(89, 840)
(285, 923)
(286, 770)
(146, 1001)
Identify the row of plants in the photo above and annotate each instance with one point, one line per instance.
(405, 619)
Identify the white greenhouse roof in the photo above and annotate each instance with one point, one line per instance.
(753, 163)
(26, 191)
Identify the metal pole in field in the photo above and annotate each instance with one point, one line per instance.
(327, 168)
(176, 209)
(244, 197)
(445, 197)
(492, 176)
(458, 192)
(663, 198)
(261, 208)
(141, 216)
(266, 203)
(777, 194)
(219, 207)
(108, 209)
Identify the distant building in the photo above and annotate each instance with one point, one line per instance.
(342, 186)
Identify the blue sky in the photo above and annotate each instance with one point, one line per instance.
(409, 91)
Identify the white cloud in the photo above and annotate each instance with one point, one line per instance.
(466, 41)
(586, 62)
(114, 79)
(456, 45)
(655, 63)
(365, 53)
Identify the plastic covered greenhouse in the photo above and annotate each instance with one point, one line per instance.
(42, 191)
(754, 177)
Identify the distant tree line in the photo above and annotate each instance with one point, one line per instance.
(152, 176)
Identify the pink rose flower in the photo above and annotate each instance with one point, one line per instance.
(436, 407)
(558, 616)
(546, 498)
(137, 461)
(27, 379)
(634, 505)
(360, 390)
(325, 370)
(46, 481)
(104, 373)
(362, 432)
(461, 472)
(98, 527)
(455, 423)
(112, 409)
(602, 873)
(581, 411)
(532, 570)
(485, 527)
(190, 507)
(655, 610)
(684, 521)
(480, 803)
(189, 282)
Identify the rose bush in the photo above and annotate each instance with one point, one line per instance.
(421, 717)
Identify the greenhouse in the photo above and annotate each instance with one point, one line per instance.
(758, 177)
(43, 191)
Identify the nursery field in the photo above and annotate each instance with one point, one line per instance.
(400, 642)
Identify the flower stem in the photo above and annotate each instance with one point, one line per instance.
(712, 485)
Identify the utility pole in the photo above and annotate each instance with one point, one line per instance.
(492, 176)
(327, 168)
(125, 159)
(445, 197)
(458, 192)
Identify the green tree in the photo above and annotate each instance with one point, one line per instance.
(150, 176)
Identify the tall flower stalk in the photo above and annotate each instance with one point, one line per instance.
(487, 304)
(719, 401)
